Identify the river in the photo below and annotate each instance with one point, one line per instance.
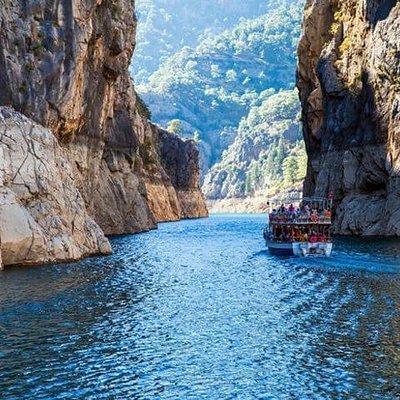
(200, 310)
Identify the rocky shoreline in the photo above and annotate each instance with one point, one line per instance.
(260, 203)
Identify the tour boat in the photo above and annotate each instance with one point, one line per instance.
(302, 231)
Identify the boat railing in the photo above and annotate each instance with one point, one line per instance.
(299, 219)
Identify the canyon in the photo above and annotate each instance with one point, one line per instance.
(348, 78)
(79, 157)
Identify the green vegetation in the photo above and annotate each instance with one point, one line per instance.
(268, 151)
(116, 11)
(212, 87)
(23, 87)
(196, 136)
(29, 66)
(232, 92)
(37, 47)
(166, 26)
(175, 126)
(146, 154)
(334, 29)
(345, 45)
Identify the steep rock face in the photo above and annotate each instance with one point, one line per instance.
(42, 214)
(348, 77)
(64, 64)
(181, 162)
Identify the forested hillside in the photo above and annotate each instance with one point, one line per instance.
(166, 26)
(268, 151)
(212, 92)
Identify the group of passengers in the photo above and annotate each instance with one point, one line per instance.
(304, 213)
(299, 235)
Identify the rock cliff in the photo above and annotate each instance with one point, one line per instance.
(349, 83)
(64, 70)
(42, 214)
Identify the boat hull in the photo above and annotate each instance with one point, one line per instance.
(300, 249)
(280, 249)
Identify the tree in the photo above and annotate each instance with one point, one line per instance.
(302, 163)
(231, 75)
(248, 185)
(215, 72)
(280, 157)
(290, 170)
(175, 126)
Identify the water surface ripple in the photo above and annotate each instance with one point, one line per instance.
(200, 310)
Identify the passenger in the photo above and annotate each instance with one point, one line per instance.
(272, 216)
(314, 216)
(328, 214)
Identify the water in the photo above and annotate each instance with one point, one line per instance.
(199, 310)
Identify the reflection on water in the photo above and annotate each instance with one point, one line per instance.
(199, 310)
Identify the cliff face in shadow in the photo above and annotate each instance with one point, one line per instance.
(64, 65)
(349, 83)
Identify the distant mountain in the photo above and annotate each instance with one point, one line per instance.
(232, 91)
(212, 87)
(166, 26)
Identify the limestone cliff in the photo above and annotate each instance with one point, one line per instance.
(349, 82)
(42, 214)
(64, 65)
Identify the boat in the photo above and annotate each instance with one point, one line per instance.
(301, 231)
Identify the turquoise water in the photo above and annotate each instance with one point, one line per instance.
(200, 310)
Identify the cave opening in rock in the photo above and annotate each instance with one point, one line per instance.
(372, 186)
